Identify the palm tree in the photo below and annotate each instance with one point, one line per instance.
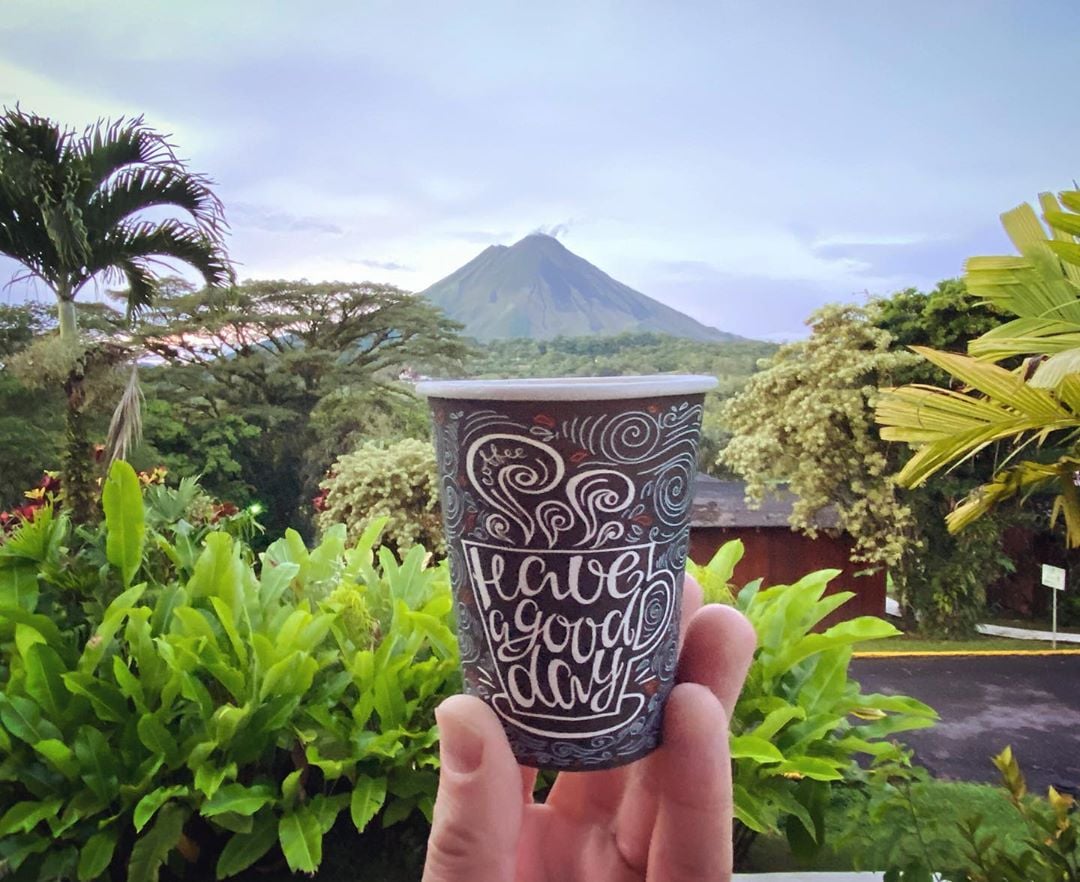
(1033, 408)
(71, 211)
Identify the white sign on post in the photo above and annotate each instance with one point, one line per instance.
(1053, 577)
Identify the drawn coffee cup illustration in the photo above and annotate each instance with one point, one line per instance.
(566, 507)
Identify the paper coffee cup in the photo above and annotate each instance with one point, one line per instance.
(566, 508)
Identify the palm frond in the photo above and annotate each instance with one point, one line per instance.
(142, 243)
(1022, 479)
(1002, 386)
(137, 188)
(125, 428)
(107, 147)
(1026, 336)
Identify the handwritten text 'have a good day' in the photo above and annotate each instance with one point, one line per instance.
(564, 627)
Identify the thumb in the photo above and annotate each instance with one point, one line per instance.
(477, 818)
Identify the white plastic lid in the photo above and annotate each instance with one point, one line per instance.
(569, 388)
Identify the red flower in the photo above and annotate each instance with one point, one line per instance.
(223, 510)
(543, 419)
(578, 455)
(643, 519)
(319, 502)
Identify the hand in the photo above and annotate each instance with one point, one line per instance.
(665, 818)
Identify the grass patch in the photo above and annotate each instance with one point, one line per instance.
(873, 829)
(979, 643)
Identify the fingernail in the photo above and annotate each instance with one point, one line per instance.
(461, 749)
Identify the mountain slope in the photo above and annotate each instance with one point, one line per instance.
(537, 288)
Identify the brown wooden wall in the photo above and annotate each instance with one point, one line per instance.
(781, 556)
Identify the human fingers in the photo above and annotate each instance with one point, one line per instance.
(691, 776)
(596, 796)
(478, 811)
(717, 653)
(528, 783)
(691, 602)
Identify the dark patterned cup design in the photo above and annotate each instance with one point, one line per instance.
(566, 506)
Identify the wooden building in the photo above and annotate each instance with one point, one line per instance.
(775, 552)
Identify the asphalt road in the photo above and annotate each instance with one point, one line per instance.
(985, 703)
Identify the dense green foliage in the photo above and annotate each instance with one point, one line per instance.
(800, 721)
(732, 363)
(808, 420)
(73, 209)
(395, 483)
(266, 383)
(919, 829)
(31, 422)
(166, 698)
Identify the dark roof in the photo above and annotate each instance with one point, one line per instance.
(723, 504)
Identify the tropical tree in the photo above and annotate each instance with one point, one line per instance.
(1033, 408)
(72, 211)
(297, 373)
(807, 420)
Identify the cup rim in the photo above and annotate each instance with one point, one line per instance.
(569, 388)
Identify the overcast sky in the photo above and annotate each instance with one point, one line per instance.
(745, 162)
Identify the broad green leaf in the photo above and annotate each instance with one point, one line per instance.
(226, 720)
(238, 799)
(228, 623)
(22, 718)
(15, 851)
(368, 797)
(152, 848)
(244, 849)
(44, 679)
(757, 749)
(301, 840)
(97, 762)
(234, 823)
(290, 788)
(155, 799)
(24, 816)
(156, 737)
(219, 572)
(129, 684)
(125, 520)
(60, 756)
(811, 767)
(107, 701)
(97, 854)
(776, 720)
(327, 808)
(42, 624)
(111, 620)
(19, 586)
(209, 778)
(274, 580)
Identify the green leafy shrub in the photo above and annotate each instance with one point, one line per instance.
(801, 723)
(207, 713)
(1050, 851)
(397, 482)
(978, 834)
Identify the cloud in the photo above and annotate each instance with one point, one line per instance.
(274, 221)
(839, 240)
(554, 230)
(390, 265)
